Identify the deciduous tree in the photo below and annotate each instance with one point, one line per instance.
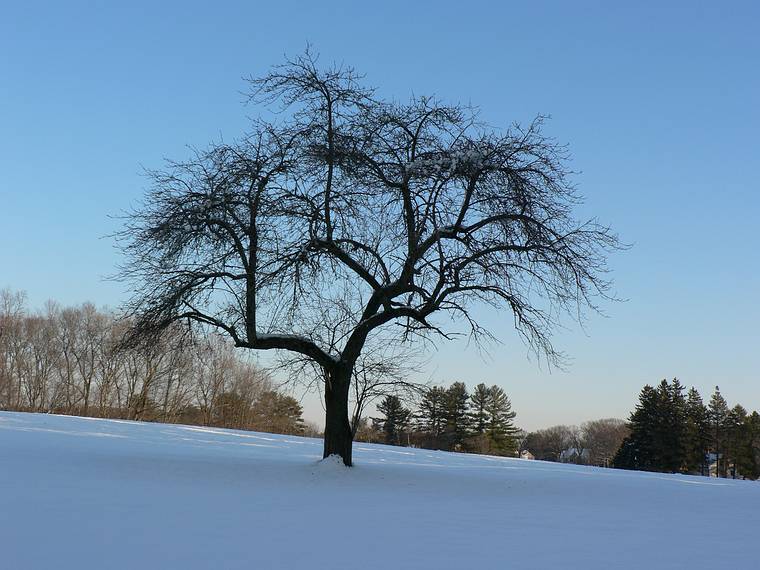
(348, 217)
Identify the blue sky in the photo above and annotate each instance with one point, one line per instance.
(659, 103)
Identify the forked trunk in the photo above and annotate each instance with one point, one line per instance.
(338, 436)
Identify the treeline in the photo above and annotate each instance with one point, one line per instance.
(70, 360)
(672, 430)
(592, 443)
(448, 419)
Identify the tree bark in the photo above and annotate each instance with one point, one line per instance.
(338, 435)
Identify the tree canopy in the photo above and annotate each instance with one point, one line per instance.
(345, 216)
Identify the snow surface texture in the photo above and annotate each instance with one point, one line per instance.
(88, 493)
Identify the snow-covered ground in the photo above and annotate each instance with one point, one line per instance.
(88, 493)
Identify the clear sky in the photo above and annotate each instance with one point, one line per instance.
(659, 102)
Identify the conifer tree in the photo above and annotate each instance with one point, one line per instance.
(501, 430)
(457, 418)
(479, 417)
(395, 420)
(431, 416)
(274, 412)
(718, 417)
(750, 464)
(670, 432)
(738, 443)
(658, 431)
(638, 449)
(671, 424)
(696, 437)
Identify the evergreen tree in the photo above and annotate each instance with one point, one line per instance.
(501, 430)
(717, 414)
(479, 400)
(670, 432)
(671, 427)
(279, 413)
(658, 431)
(751, 458)
(457, 418)
(738, 443)
(396, 419)
(638, 449)
(431, 416)
(696, 437)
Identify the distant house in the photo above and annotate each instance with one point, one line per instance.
(717, 468)
(525, 454)
(573, 455)
(712, 464)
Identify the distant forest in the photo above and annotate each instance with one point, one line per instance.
(71, 360)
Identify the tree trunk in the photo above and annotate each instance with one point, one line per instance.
(338, 436)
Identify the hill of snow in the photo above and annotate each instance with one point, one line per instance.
(88, 493)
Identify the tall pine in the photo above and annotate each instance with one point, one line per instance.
(738, 443)
(696, 434)
(457, 417)
(672, 426)
(638, 450)
(717, 413)
(431, 416)
(750, 464)
(479, 416)
(501, 430)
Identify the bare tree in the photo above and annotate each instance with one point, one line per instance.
(38, 360)
(110, 367)
(89, 336)
(213, 371)
(152, 368)
(549, 444)
(11, 324)
(347, 217)
(603, 438)
(73, 360)
(382, 371)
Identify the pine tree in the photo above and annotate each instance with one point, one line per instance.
(291, 412)
(501, 430)
(278, 413)
(638, 450)
(457, 419)
(672, 426)
(751, 462)
(738, 442)
(479, 417)
(718, 416)
(696, 437)
(670, 432)
(396, 419)
(431, 416)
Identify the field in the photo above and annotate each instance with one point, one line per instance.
(89, 493)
